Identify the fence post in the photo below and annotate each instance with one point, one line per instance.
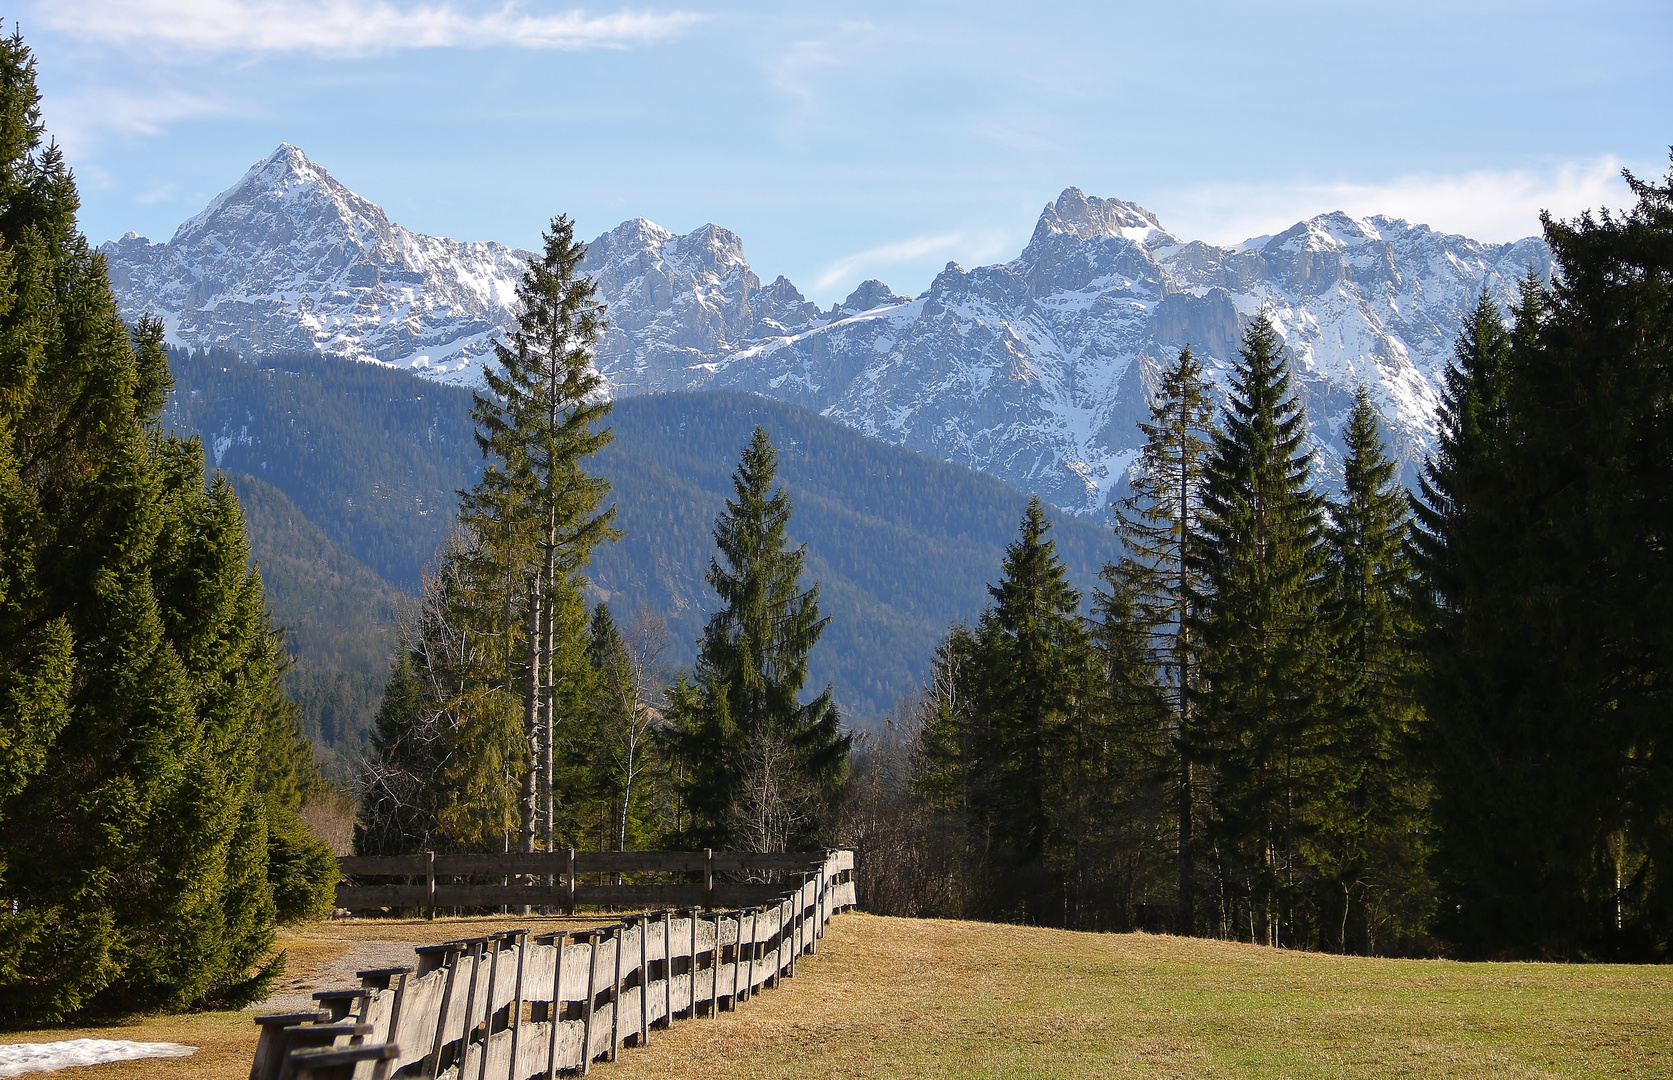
(644, 982)
(737, 959)
(667, 969)
(452, 961)
(569, 876)
(515, 1020)
(487, 1011)
(692, 1015)
(616, 998)
(708, 878)
(430, 881)
(554, 1011)
(592, 995)
(714, 975)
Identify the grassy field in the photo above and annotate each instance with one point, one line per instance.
(897, 998)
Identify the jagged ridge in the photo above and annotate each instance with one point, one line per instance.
(1036, 370)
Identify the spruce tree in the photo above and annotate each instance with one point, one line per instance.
(1030, 680)
(1548, 659)
(1264, 641)
(535, 513)
(1159, 525)
(739, 713)
(147, 816)
(1371, 841)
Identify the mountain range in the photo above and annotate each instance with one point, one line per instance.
(1035, 370)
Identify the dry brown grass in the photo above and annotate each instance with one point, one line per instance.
(889, 998)
(925, 999)
(226, 1041)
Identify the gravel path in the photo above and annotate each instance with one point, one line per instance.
(296, 993)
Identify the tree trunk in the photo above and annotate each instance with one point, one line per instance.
(530, 712)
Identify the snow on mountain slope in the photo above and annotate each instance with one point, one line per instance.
(1036, 370)
(288, 259)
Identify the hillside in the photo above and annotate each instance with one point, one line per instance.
(338, 615)
(901, 544)
(370, 455)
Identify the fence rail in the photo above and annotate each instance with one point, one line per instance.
(512, 1006)
(550, 879)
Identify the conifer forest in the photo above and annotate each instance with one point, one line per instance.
(1343, 717)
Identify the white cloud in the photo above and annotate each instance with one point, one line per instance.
(349, 27)
(973, 246)
(77, 119)
(800, 71)
(1496, 206)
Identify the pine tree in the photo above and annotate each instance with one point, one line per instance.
(1263, 638)
(535, 512)
(146, 818)
(1548, 583)
(1159, 525)
(626, 677)
(1030, 681)
(736, 722)
(1371, 842)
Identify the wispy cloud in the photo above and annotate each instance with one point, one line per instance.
(972, 245)
(802, 67)
(1495, 206)
(350, 27)
(78, 119)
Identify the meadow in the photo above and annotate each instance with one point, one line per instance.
(931, 999)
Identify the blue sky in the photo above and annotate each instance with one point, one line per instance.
(855, 140)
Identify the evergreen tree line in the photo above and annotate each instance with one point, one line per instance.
(151, 773)
(1371, 722)
(519, 717)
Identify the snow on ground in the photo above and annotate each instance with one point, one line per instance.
(16, 1059)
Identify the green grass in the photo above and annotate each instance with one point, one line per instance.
(896, 998)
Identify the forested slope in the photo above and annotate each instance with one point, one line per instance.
(901, 544)
(338, 615)
(372, 456)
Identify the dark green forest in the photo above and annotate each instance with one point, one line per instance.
(901, 544)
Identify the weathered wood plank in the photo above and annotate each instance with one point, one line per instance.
(366, 897)
(377, 865)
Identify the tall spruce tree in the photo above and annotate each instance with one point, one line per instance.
(1159, 525)
(535, 512)
(1264, 640)
(1548, 665)
(739, 713)
(1371, 840)
(1029, 681)
(144, 807)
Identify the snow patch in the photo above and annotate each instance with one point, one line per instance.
(17, 1059)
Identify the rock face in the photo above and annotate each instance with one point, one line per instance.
(288, 259)
(1036, 370)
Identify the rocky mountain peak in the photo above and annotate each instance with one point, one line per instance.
(868, 295)
(1085, 218)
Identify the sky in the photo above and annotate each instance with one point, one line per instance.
(858, 140)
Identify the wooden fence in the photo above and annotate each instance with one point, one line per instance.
(516, 1006)
(553, 880)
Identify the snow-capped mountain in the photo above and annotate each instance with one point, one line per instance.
(288, 259)
(1036, 370)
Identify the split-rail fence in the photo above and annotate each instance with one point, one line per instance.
(521, 1006)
